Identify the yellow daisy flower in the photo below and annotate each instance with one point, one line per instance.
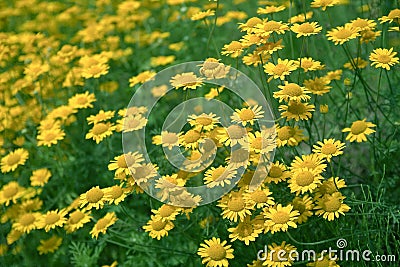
(144, 173)
(10, 193)
(297, 111)
(100, 131)
(262, 142)
(330, 186)
(279, 255)
(246, 231)
(309, 64)
(290, 136)
(141, 78)
(213, 69)
(234, 206)
(323, 4)
(161, 60)
(220, 176)
(52, 219)
(383, 58)
(115, 194)
(279, 218)
(304, 180)
(203, 14)
(122, 163)
(277, 173)
(51, 137)
(167, 139)
(267, 27)
(342, 34)
(250, 24)
(167, 212)
(215, 253)
(80, 101)
(203, 121)
(281, 69)
(306, 29)
(102, 224)
(101, 116)
(131, 123)
(187, 80)
(311, 161)
(234, 49)
(363, 24)
(291, 92)
(49, 245)
(357, 62)
(394, 15)
(14, 159)
(93, 198)
(359, 130)
(300, 17)
(27, 222)
(158, 227)
(233, 135)
(329, 148)
(259, 198)
(331, 206)
(247, 115)
(304, 205)
(318, 85)
(76, 220)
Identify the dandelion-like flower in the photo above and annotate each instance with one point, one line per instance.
(383, 58)
(359, 130)
(215, 253)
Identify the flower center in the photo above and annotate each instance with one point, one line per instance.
(284, 133)
(10, 192)
(247, 115)
(271, 26)
(217, 173)
(52, 218)
(328, 149)
(394, 14)
(102, 223)
(257, 143)
(216, 252)
(358, 127)
(304, 178)
(13, 159)
(253, 22)
(384, 58)
(166, 210)
(235, 45)
(360, 23)
(236, 204)
(158, 225)
(94, 195)
(169, 138)
(116, 192)
(280, 69)
(27, 219)
(306, 28)
(331, 205)
(275, 172)
(76, 217)
(240, 155)
(299, 206)
(280, 217)
(259, 196)
(322, 263)
(122, 162)
(236, 132)
(49, 136)
(343, 34)
(142, 172)
(205, 121)
(191, 136)
(292, 89)
(296, 108)
(99, 128)
(81, 100)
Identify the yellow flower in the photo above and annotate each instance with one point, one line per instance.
(259, 198)
(341, 34)
(331, 206)
(234, 49)
(132, 123)
(213, 69)
(247, 115)
(159, 91)
(203, 121)
(306, 29)
(101, 116)
(94, 66)
(35, 69)
(27, 222)
(76, 220)
(324, 260)
(51, 137)
(246, 231)
(191, 139)
(167, 212)
(329, 148)
(288, 135)
(144, 173)
(308, 64)
(277, 173)
(94, 198)
(161, 60)
(297, 110)
(141, 78)
(233, 135)
(215, 253)
(220, 176)
(52, 219)
(100, 131)
(383, 58)
(84, 100)
(122, 163)
(267, 27)
(158, 227)
(280, 70)
(167, 139)
(250, 24)
(49, 245)
(301, 17)
(234, 206)
(318, 85)
(359, 130)
(187, 80)
(102, 224)
(311, 161)
(324, 3)
(270, 9)
(10, 192)
(14, 159)
(291, 91)
(279, 255)
(40, 177)
(203, 14)
(330, 186)
(363, 24)
(357, 62)
(304, 205)
(394, 15)
(114, 194)
(279, 218)
(304, 180)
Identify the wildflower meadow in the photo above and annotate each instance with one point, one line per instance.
(200, 133)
